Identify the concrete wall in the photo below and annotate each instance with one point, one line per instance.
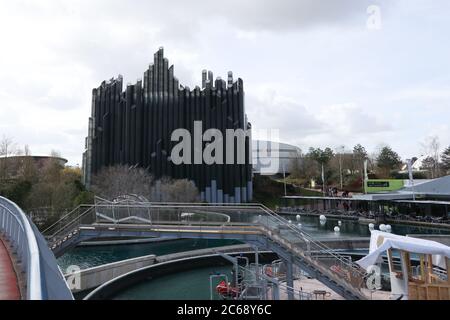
(202, 252)
(95, 276)
(347, 244)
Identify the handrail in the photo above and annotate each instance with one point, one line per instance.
(44, 279)
(310, 238)
(23, 238)
(281, 285)
(157, 205)
(65, 216)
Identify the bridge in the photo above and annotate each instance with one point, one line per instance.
(254, 224)
(28, 268)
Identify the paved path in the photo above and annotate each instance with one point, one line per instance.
(9, 289)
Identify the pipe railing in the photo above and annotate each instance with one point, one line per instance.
(16, 228)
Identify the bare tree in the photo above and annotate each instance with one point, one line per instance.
(55, 154)
(431, 146)
(119, 180)
(178, 191)
(7, 148)
(429, 164)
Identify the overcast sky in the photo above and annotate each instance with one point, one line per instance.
(311, 68)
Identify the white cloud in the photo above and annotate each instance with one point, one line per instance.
(298, 58)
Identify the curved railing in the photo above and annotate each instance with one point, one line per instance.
(43, 277)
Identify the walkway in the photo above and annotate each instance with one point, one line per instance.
(9, 289)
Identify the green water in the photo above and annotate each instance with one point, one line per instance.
(91, 256)
(188, 285)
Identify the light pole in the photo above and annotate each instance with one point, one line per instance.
(342, 148)
(284, 180)
(365, 177)
(411, 177)
(323, 180)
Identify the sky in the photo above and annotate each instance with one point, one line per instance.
(325, 73)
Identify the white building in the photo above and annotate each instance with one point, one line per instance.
(270, 158)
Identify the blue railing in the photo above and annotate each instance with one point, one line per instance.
(44, 279)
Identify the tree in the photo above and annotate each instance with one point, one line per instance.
(27, 169)
(429, 164)
(388, 160)
(177, 191)
(55, 188)
(7, 148)
(445, 157)
(295, 166)
(119, 180)
(321, 156)
(359, 155)
(431, 147)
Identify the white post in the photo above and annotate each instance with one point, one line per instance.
(365, 176)
(284, 180)
(323, 180)
(342, 149)
(411, 177)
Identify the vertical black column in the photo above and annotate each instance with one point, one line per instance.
(134, 127)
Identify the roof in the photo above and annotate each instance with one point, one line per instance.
(439, 186)
(321, 198)
(382, 241)
(36, 157)
(270, 145)
(386, 196)
(368, 197)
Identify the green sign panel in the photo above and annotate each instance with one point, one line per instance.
(374, 186)
(378, 184)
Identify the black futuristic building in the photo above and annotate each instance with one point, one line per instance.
(135, 126)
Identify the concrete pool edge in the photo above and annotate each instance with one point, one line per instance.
(111, 288)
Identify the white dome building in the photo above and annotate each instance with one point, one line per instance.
(271, 158)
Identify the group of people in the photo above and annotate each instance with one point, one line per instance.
(333, 192)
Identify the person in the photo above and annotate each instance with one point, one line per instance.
(345, 204)
(335, 192)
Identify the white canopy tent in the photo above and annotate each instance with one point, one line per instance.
(424, 282)
(380, 242)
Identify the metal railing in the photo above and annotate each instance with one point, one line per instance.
(206, 217)
(44, 279)
(16, 228)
